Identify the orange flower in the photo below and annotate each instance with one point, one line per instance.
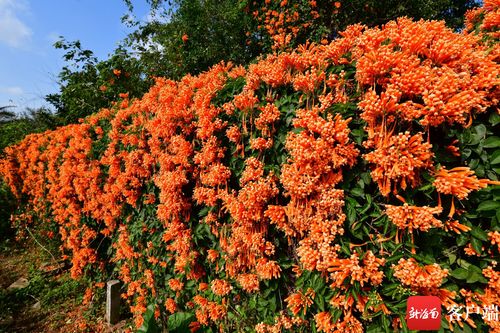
(87, 297)
(398, 159)
(194, 326)
(324, 322)
(470, 251)
(185, 38)
(233, 134)
(175, 284)
(459, 181)
(413, 217)
(221, 287)
(267, 269)
(249, 282)
(298, 301)
(411, 274)
(171, 305)
(455, 226)
(494, 237)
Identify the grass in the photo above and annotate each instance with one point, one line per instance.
(59, 297)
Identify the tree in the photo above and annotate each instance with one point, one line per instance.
(287, 24)
(5, 115)
(86, 84)
(192, 35)
(15, 128)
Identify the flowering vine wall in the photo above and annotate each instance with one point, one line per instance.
(314, 190)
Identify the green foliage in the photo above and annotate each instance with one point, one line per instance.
(7, 206)
(5, 115)
(189, 36)
(88, 85)
(30, 121)
(227, 30)
(53, 295)
(213, 31)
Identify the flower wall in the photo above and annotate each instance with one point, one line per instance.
(314, 190)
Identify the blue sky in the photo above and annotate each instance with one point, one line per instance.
(29, 63)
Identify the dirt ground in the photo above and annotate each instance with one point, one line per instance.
(21, 310)
(14, 264)
(51, 303)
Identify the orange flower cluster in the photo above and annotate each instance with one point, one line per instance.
(487, 300)
(281, 25)
(495, 238)
(281, 322)
(413, 217)
(208, 311)
(248, 282)
(486, 17)
(284, 20)
(411, 274)
(349, 324)
(398, 159)
(424, 280)
(187, 182)
(170, 305)
(221, 287)
(459, 182)
(298, 301)
(342, 269)
(422, 73)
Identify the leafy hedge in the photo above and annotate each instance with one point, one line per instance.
(312, 191)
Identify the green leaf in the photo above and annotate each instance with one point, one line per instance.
(179, 322)
(466, 153)
(452, 258)
(488, 205)
(480, 130)
(477, 245)
(473, 163)
(463, 263)
(495, 157)
(494, 118)
(366, 177)
(479, 233)
(149, 325)
(492, 142)
(475, 275)
(320, 301)
(375, 328)
(357, 191)
(467, 329)
(460, 273)
(351, 213)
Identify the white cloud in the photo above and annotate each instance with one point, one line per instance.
(15, 91)
(13, 31)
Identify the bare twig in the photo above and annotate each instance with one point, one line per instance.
(43, 247)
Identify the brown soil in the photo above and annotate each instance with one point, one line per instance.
(66, 316)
